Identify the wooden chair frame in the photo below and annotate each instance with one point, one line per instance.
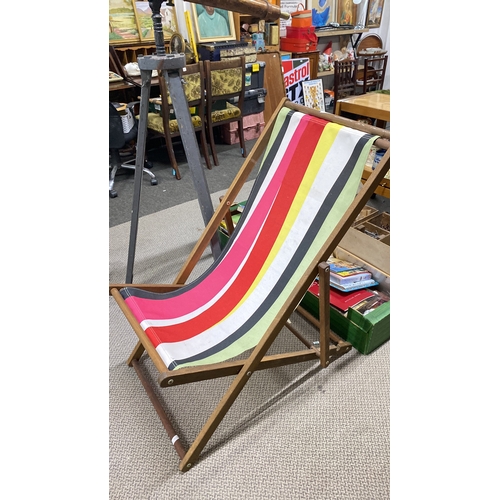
(344, 79)
(167, 107)
(374, 69)
(213, 96)
(331, 346)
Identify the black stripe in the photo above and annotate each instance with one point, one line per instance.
(298, 256)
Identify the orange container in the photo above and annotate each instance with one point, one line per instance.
(306, 33)
(301, 18)
(297, 45)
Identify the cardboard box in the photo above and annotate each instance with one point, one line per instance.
(253, 125)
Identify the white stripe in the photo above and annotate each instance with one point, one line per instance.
(332, 166)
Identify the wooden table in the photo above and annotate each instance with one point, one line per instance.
(372, 105)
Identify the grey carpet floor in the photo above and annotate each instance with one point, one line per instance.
(171, 191)
(295, 432)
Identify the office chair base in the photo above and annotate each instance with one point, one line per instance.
(153, 180)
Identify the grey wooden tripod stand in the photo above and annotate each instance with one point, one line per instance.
(170, 65)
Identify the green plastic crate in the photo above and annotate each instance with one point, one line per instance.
(365, 333)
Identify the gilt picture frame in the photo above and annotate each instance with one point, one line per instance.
(347, 12)
(374, 13)
(122, 22)
(212, 24)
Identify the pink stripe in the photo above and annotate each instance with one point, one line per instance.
(192, 299)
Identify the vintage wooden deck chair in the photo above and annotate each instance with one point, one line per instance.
(305, 197)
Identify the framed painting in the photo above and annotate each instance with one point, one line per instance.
(212, 24)
(347, 12)
(374, 13)
(122, 22)
(323, 12)
(143, 15)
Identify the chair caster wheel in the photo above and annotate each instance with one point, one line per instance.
(154, 182)
(112, 193)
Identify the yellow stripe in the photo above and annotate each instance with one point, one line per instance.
(323, 146)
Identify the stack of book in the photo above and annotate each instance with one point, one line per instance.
(348, 276)
(363, 300)
(350, 288)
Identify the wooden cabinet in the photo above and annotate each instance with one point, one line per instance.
(313, 61)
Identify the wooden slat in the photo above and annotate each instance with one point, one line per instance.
(228, 368)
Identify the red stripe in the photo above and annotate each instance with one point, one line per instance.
(299, 161)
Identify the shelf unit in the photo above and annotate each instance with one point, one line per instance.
(339, 33)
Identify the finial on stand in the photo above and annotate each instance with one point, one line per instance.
(157, 27)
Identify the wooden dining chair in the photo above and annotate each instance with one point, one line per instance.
(225, 80)
(344, 79)
(372, 74)
(164, 124)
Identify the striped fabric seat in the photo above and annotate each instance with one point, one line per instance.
(308, 177)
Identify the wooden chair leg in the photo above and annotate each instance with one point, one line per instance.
(228, 399)
(241, 134)
(212, 144)
(204, 148)
(171, 155)
(136, 353)
(324, 312)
